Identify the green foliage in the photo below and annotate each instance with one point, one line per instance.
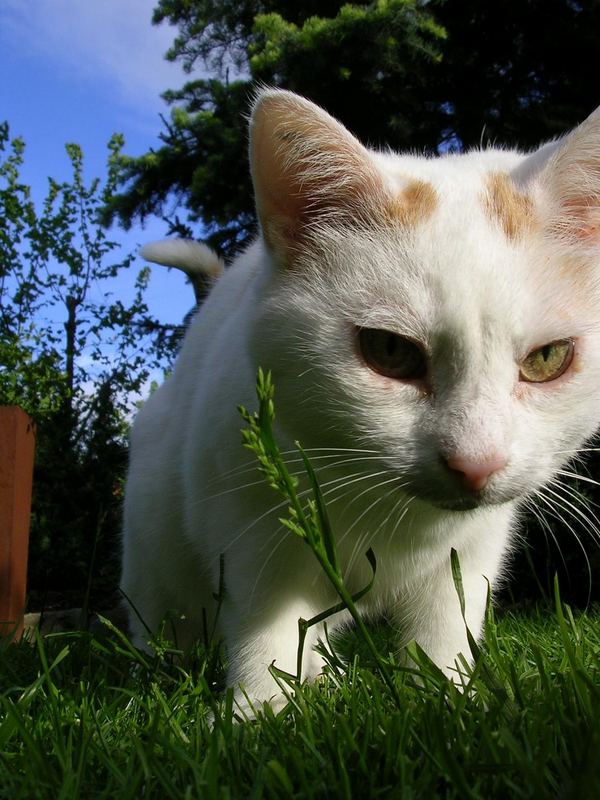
(382, 91)
(71, 355)
(60, 328)
(74, 554)
(30, 373)
(206, 137)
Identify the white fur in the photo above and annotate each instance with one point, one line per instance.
(476, 301)
(191, 257)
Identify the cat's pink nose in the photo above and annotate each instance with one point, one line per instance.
(475, 474)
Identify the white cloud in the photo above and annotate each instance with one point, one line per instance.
(107, 40)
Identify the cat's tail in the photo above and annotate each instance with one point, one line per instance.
(194, 258)
(201, 264)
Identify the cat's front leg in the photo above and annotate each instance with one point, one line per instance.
(430, 612)
(255, 641)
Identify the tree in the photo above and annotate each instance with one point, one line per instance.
(61, 329)
(72, 355)
(30, 372)
(405, 73)
(518, 72)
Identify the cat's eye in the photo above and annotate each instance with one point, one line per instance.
(548, 362)
(392, 355)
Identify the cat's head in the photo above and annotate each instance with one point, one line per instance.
(442, 312)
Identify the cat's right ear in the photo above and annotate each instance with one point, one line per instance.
(570, 188)
(308, 170)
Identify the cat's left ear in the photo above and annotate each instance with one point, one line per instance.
(308, 171)
(569, 185)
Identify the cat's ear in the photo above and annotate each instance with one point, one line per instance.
(570, 188)
(307, 170)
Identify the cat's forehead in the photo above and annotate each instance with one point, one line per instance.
(479, 183)
(475, 233)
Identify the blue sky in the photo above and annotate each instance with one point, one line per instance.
(78, 71)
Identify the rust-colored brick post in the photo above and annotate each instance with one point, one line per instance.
(17, 437)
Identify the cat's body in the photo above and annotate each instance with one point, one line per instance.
(403, 305)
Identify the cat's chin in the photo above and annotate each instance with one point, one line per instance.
(461, 502)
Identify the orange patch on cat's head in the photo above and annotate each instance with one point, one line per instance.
(413, 205)
(506, 206)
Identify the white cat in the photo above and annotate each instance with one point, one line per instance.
(433, 329)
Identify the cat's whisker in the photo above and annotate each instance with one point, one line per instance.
(306, 372)
(576, 476)
(332, 500)
(378, 499)
(259, 482)
(364, 540)
(361, 546)
(246, 466)
(567, 507)
(403, 500)
(578, 497)
(321, 468)
(570, 491)
(577, 451)
(557, 504)
(570, 495)
(268, 512)
(545, 525)
(280, 533)
(356, 477)
(285, 503)
(302, 494)
(253, 463)
(368, 537)
(401, 515)
(311, 450)
(289, 463)
(342, 481)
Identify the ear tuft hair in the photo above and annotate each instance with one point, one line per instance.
(307, 169)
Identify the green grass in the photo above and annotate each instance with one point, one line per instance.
(87, 717)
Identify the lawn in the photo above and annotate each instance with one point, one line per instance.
(88, 716)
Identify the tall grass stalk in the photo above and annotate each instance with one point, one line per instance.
(309, 521)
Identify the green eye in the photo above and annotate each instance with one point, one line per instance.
(548, 362)
(392, 355)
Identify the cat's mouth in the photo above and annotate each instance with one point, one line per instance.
(458, 501)
(457, 504)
